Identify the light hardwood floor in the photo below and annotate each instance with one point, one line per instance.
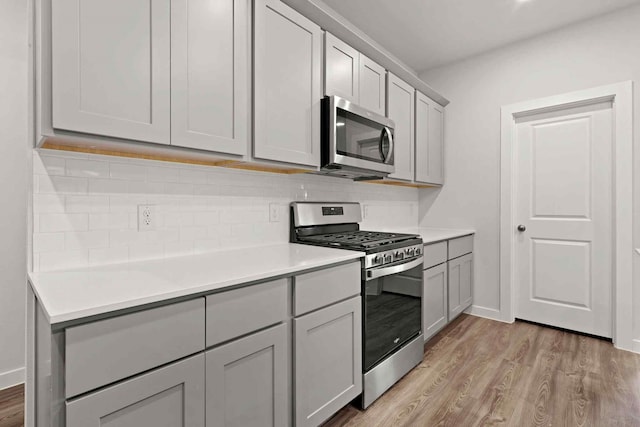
(12, 407)
(479, 372)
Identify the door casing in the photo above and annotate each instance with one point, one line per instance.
(621, 95)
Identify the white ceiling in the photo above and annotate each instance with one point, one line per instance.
(429, 33)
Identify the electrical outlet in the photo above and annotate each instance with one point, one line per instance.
(146, 217)
(274, 212)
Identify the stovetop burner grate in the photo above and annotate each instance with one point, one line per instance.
(357, 238)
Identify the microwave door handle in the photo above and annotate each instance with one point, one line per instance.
(389, 155)
(395, 269)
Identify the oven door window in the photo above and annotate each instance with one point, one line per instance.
(362, 138)
(393, 314)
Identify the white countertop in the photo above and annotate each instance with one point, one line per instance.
(432, 234)
(74, 294)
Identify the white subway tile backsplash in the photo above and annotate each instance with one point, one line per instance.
(127, 171)
(193, 176)
(48, 203)
(61, 260)
(206, 245)
(47, 165)
(107, 186)
(111, 255)
(162, 174)
(178, 189)
(88, 203)
(74, 241)
(206, 218)
(87, 168)
(48, 242)
(178, 248)
(108, 221)
(60, 184)
(126, 203)
(63, 222)
(145, 251)
(192, 233)
(85, 208)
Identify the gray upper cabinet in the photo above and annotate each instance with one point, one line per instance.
(110, 68)
(341, 65)
(287, 85)
(400, 109)
(247, 381)
(352, 76)
(373, 93)
(210, 75)
(429, 141)
(172, 396)
(328, 361)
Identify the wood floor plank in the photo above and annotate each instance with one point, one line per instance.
(12, 407)
(477, 372)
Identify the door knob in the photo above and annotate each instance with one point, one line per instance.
(521, 228)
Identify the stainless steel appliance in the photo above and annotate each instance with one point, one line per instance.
(391, 288)
(356, 143)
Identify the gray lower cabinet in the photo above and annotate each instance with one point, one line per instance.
(172, 396)
(247, 381)
(327, 362)
(434, 300)
(460, 284)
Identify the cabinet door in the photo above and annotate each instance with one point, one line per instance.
(287, 85)
(373, 95)
(429, 141)
(110, 68)
(341, 69)
(247, 381)
(400, 109)
(172, 396)
(328, 361)
(434, 300)
(460, 284)
(209, 75)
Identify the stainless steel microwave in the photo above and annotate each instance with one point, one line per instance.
(356, 143)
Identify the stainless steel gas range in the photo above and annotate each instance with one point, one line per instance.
(391, 288)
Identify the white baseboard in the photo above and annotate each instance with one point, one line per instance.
(636, 346)
(11, 378)
(487, 313)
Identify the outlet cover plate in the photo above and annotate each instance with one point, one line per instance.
(146, 217)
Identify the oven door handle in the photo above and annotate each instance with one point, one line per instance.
(395, 269)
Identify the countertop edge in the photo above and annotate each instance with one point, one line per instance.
(56, 319)
(453, 235)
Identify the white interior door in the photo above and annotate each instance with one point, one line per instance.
(563, 205)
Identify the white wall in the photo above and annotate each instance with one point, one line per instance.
(85, 207)
(13, 193)
(597, 52)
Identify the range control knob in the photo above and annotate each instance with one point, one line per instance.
(377, 260)
(399, 255)
(388, 258)
(418, 251)
(410, 251)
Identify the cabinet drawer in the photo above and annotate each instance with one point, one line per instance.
(109, 350)
(241, 311)
(460, 246)
(434, 254)
(324, 287)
